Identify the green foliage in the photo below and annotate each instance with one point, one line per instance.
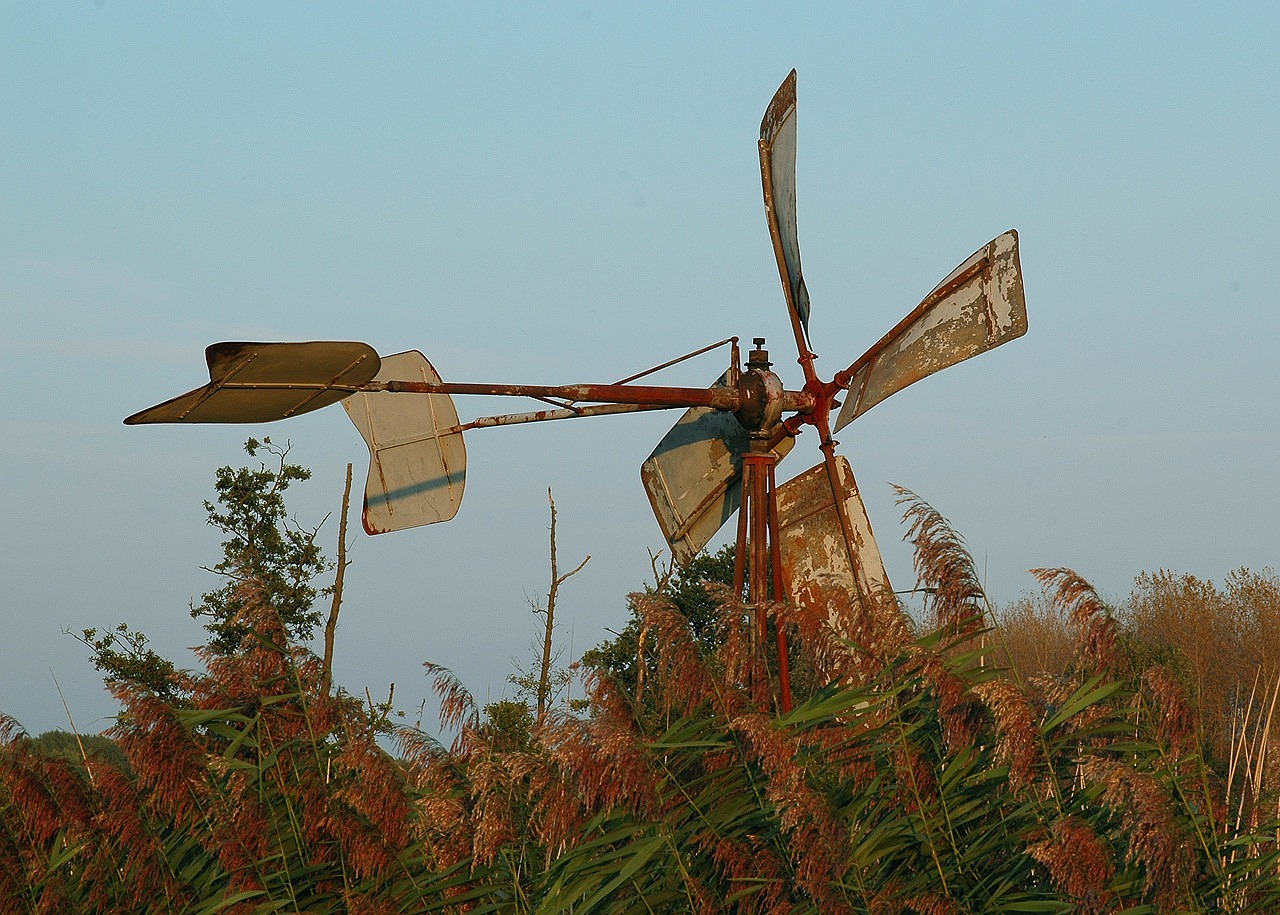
(528, 681)
(266, 555)
(264, 546)
(697, 590)
(122, 655)
(508, 726)
(74, 748)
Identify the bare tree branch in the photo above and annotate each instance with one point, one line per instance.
(544, 671)
(331, 626)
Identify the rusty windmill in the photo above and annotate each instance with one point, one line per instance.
(805, 539)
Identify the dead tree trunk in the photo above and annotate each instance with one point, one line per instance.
(331, 625)
(544, 669)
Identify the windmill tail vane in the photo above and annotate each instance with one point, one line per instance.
(807, 541)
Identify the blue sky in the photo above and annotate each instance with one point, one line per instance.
(558, 193)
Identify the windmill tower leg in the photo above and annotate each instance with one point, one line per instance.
(758, 559)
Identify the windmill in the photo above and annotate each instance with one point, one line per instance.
(806, 540)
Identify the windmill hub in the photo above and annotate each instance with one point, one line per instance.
(761, 393)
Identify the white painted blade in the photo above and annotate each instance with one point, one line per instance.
(977, 308)
(417, 459)
(778, 175)
(822, 573)
(694, 477)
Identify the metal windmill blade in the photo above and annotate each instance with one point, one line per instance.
(417, 458)
(778, 177)
(819, 566)
(828, 555)
(263, 382)
(979, 306)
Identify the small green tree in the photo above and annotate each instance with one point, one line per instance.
(696, 589)
(264, 545)
(123, 656)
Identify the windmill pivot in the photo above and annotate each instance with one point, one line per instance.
(762, 397)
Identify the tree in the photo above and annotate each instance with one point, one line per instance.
(696, 589)
(267, 557)
(79, 748)
(264, 546)
(1034, 638)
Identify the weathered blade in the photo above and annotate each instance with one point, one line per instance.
(822, 573)
(417, 459)
(694, 477)
(978, 307)
(778, 173)
(264, 382)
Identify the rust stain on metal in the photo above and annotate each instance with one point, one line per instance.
(822, 573)
(978, 307)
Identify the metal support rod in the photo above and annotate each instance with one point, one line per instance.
(759, 539)
(719, 398)
(779, 591)
(670, 362)
(828, 448)
(540, 416)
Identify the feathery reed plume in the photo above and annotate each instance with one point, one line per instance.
(943, 564)
(492, 816)
(853, 641)
(15, 890)
(1175, 719)
(357, 903)
(1145, 812)
(369, 812)
(133, 850)
(1035, 638)
(31, 796)
(958, 708)
(684, 680)
(168, 758)
(458, 709)
(609, 764)
(831, 659)
(749, 862)
(417, 747)
(556, 816)
(816, 838)
(1019, 745)
(1079, 863)
(11, 730)
(932, 904)
(1095, 626)
(738, 672)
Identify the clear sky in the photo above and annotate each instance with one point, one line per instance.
(554, 193)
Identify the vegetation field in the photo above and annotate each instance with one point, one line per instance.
(1059, 754)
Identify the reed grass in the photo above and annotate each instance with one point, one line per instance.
(915, 776)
